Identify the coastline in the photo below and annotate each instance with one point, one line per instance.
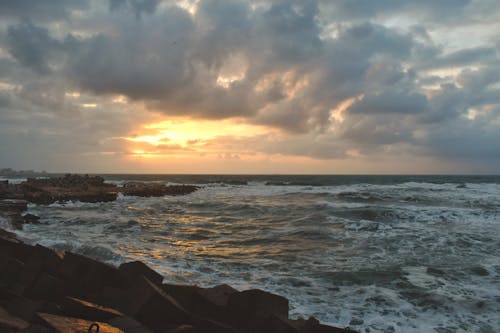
(43, 290)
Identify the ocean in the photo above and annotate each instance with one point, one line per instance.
(376, 253)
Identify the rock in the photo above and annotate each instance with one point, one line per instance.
(9, 323)
(160, 309)
(31, 219)
(15, 249)
(186, 295)
(135, 269)
(47, 287)
(81, 188)
(143, 190)
(256, 303)
(89, 276)
(129, 325)
(209, 303)
(37, 328)
(155, 190)
(274, 324)
(20, 306)
(7, 235)
(74, 307)
(41, 260)
(74, 325)
(184, 329)
(67, 188)
(210, 326)
(11, 273)
(11, 210)
(480, 271)
(180, 189)
(13, 205)
(218, 295)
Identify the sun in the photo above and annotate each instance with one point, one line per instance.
(183, 136)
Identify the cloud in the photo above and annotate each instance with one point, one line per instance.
(46, 10)
(333, 77)
(31, 45)
(391, 102)
(138, 7)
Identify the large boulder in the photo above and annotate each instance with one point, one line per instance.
(160, 310)
(10, 323)
(208, 303)
(89, 276)
(135, 269)
(63, 324)
(74, 307)
(155, 190)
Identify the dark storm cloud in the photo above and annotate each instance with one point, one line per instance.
(464, 57)
(32, 46)
(138, 7)
(40, 9)
(360, 9)
(391, 102)
(287, 64)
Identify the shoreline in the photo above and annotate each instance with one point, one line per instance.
(42, 290)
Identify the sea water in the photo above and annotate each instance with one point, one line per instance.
(376, 253)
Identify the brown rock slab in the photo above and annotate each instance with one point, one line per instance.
(37, 328)
(47, 287)
(21, 307)
(155, 190)
(15, 248)
(88, 275)
(13, 205)
(208, 303)
(256, 303)
(129, 325)
(74, 325)
(74, 307)
(184, 329)
(135, 269)
(43, 261)
(7, 235)
(211, 326)
(218, 295)
(186, 295)
(160, 310)
(9, 322)
(11, 273)
(275, 324)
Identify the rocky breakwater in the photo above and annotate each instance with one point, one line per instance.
(42, 290)
(155, 190)
(67, 188)
(83, 188)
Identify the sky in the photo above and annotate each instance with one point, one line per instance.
(250, 87)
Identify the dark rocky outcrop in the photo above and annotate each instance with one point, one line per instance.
(42, 290)
(155, 190)
(83, 188)
(14, 198)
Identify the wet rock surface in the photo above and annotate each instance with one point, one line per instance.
(82, 188)
(42, 290)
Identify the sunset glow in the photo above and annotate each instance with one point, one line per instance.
(185, 132)
(292, 86)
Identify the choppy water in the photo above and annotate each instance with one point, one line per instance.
(377, 253)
